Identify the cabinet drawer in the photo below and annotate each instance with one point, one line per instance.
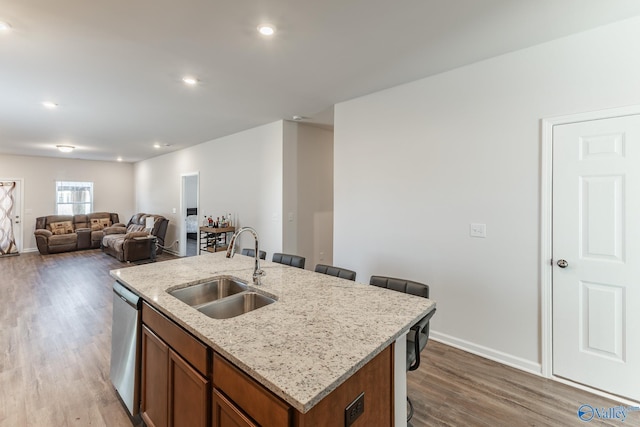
(192, 350)
(255, 400)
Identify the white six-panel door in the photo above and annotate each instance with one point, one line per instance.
(596, 254)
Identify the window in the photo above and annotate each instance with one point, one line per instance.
(74, 197)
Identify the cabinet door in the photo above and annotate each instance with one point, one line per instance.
(155, 359)
(188, 394)
(225, 414)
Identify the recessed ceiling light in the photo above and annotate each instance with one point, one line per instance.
(4, 27)
(297, 118)
(156, 145)
(119, 159)
(191, 81)
(50, 105)
(65, 148)
(266, 29)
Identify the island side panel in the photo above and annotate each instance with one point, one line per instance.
(400, 380)
(375, 380)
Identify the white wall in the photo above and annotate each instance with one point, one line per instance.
(315, 195)
(240, 174)
(191, 191)
(416, 164)
(112, 186)
(308, 193)
(290, 188)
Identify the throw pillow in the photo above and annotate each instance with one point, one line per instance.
(63, 227)
(135, 227)
(68, 227)
(100, 223)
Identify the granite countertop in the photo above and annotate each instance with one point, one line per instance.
(318, 333)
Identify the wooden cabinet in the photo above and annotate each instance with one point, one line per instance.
(188, 394)
(176, 389)
(186, 384)
(243, 392)
(241, 401)
(226, 414)
(155, 357)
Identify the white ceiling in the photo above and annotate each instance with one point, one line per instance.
(115, 67)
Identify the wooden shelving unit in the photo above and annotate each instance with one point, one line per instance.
(214, 239)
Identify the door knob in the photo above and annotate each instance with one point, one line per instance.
(562, 263)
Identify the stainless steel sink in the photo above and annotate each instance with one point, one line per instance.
(222, 297)
(204, 293)
(236, 305)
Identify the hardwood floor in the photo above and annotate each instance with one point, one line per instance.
(455, 388)
(55, 338)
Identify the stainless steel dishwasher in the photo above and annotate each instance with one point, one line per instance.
(125, 347)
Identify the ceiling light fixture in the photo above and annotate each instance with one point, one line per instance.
(297, 118)
(4, 27)
(119, 159)
(266, 29)
(65, 148)
(156, 145)
(191, 81)
(49, 105)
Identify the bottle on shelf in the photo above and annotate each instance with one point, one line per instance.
(205, 221)
(210, 221)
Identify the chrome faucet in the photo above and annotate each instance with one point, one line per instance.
(231, 250)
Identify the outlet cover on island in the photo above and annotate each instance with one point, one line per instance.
(478, 230)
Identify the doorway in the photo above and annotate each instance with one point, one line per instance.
(10, 217)
(591, 262)
(189, 205)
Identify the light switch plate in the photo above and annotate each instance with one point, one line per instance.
(478, 230)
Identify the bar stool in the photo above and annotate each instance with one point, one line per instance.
(419, 333)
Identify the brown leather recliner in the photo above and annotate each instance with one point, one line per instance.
(64, 233)
(130, 242)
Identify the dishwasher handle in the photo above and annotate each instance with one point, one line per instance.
(126, 295)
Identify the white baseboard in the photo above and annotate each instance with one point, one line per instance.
(27, 250)
(597, 392)
(488, 353)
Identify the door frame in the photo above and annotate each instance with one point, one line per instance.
(182, 246)
(546, 229)
(20, 239)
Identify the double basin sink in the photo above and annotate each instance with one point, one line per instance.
(222, 297)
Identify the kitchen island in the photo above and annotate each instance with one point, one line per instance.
(319, 333)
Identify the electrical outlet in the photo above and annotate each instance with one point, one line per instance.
(354, 410)
(478, 230)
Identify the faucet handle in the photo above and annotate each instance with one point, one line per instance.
(257, 275)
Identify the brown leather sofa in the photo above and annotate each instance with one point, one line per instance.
(131, 242)
(64, 233)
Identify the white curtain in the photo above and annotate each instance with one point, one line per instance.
(7, 240)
